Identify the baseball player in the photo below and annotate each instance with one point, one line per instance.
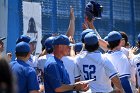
(49, 49)
(135, 61)
(119, 59)
(94, 65)
(25, 74)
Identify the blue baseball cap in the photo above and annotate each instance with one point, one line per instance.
(114, 35)
(62, 40)
(49, 43)
(23, 38)
(22, 47)
(139, 38)
(78, 47)
(91, 39)
(84, 33)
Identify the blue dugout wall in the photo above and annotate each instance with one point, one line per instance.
(15, 24)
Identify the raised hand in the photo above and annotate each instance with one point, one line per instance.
(72, 17)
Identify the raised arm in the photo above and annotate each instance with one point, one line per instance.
(103, 44)
(71, 28)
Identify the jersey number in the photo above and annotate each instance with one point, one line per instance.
(138, 65)
(89, 71)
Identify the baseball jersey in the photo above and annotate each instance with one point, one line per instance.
(42, 60)
(71, 68)
(55, 75)
(136, 63)
(125, 51)
(95, 65)
(120, 62)
(26, 76)
(32, 61)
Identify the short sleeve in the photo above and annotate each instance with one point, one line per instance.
(109, 68)
(124, 68)
(32, 82)
(52, 76)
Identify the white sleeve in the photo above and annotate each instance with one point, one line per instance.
(77, 69)
(124, 68)
(109, 68)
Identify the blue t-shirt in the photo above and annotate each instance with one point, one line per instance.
(26, 76)
(55, 75)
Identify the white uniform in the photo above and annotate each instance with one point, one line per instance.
(71, 68)
(136, 63)
(132, 70)
(42, 60)
(32, 61)
(96, 66)
(120, 62)
(125, 51)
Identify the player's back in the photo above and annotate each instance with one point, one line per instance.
(120, 62)
(136, 63)
(95, 66)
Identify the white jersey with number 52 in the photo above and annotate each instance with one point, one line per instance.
(95, 65)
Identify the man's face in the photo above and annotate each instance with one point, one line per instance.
(32, 46)
(1, 46)
(123, 42)
(65, 50)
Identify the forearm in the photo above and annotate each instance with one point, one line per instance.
(71, 28)
(117, 83)
(72, 52)
(91, 26)
(78, 86)
(103, 44)
(34, 91)
(64, 88)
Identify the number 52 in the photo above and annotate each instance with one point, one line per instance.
(89, 71)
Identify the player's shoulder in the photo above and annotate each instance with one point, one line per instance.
(125, 51)
(67, 58)
(50, 61)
